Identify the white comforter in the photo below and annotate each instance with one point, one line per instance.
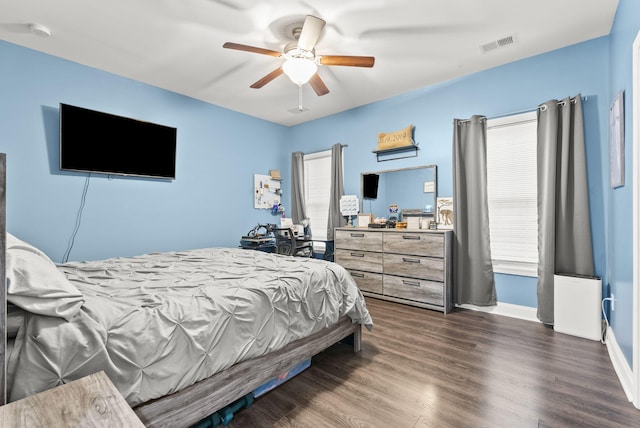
(158, 323)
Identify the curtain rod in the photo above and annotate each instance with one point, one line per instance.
(321, 151)
(541, 107)
(572, 100)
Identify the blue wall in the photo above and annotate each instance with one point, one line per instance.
(210, 203)
(522, 85)
(618, 202)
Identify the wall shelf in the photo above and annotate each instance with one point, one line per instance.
(397, 150)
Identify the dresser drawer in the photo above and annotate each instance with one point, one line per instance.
(358, 240)
(423, 244)
(359, 260)
(367, 281)
(414, 289)
(414, 266)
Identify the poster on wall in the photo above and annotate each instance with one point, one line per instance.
(616, 141)
(267, 192)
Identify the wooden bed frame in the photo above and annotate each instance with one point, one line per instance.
(196, 402)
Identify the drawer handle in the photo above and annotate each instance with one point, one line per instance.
(357, 235)
(357, 254)
(414, 237)
(408, 260)
(411, 283)
(357, 274)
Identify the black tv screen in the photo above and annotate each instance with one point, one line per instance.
(93, 141)
(370, 186)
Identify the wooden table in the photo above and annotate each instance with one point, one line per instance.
(92, 401)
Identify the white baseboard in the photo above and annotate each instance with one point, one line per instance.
(620, 365)
(506, 309)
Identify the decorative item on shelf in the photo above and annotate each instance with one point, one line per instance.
(433, 225)
(445, 213)
(418, 218)
(413, 223)
(275, 174)
(400, 141)
(349, 207)
(378, 223)
(364, 220)
(394, 215)
(278, 209)
(393, 140)
(394, 212)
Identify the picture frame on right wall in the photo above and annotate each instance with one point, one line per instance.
(444, 213)
(616, 141)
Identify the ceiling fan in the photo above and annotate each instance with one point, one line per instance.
(301, 62)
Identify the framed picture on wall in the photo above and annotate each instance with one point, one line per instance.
(616, 141)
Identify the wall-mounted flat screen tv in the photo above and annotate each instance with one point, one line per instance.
(93, 141)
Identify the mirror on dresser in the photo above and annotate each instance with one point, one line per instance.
(413, 189)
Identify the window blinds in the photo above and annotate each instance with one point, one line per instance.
(317, 182)
(512, 193)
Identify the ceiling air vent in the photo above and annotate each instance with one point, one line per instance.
(500, 43)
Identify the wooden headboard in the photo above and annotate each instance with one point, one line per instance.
(3, 278)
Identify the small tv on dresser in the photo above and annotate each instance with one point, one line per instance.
(98, 142)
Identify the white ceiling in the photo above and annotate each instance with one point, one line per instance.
(177, 44)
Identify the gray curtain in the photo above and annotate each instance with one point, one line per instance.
(298, 209)
(564, 224)
(337, 190)
(473, 270)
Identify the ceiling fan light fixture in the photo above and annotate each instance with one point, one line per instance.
(299, 70)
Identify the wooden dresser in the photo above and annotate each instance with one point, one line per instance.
(407, 266)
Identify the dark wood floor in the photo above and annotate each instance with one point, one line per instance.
(420, 368)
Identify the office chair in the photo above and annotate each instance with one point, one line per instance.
(289, 244)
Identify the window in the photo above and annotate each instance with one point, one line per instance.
(317, 191)
(512, 193)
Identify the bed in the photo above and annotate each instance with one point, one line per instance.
(180, 334)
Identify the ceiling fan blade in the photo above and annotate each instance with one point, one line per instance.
(239, 47)
(310, 34)
(349, 61)
(268, 78)
(318, 85)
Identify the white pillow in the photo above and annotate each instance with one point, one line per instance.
(35, 284)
